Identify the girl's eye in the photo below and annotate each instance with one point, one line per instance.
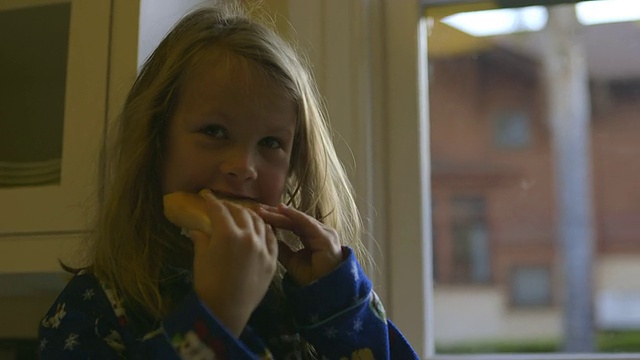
(215, 131)
(271, 143)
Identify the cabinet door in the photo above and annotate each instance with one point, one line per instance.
(53, 86)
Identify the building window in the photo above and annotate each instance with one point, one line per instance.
(512, 129)
(530, 286)
(471, 260)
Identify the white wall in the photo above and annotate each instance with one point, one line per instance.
(469, 314)
(157, 17)
(617, 299)
(365, 57)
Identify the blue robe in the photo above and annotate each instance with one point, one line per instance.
(339, 315)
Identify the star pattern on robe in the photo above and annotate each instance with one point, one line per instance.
(357, 325)
(88, 294)
(330, 332)
(354, 272)
(71, 342)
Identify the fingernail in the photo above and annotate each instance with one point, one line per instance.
(207, 193)
(265, 207)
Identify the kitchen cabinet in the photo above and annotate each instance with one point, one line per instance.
(53, 139)
(65, 69)
(55, 80)
(56, 206)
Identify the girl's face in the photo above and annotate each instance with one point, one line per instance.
(232, 132)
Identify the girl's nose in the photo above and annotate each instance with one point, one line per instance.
(240, 165)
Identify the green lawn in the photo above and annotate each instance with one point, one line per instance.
(621, 341)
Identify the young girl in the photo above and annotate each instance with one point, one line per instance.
(224, 108)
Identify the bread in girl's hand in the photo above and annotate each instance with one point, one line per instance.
(189, 211)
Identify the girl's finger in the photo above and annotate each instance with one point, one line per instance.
(276, 219)
(259, 225)
(288, 218)
(313, 234)
(269, 208)
(217, 211)
(200, 242)
(303, 224)
(241, 216)
(247, 219)
(297, 215)
(271, 240)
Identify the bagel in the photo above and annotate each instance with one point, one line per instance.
(189, 211)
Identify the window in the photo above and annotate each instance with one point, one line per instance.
(471, 262)
(530, 286)
(512, 129)
(440, 145)
(550, 231)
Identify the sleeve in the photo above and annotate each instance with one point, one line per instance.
(343, 318)
(82, 325)
(195, 333)
(88, 321)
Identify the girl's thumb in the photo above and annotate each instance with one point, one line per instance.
(199, 239)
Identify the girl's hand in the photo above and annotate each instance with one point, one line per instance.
(233, 267)
(322, 252)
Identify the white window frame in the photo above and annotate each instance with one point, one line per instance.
(364, 55)
(368, 59)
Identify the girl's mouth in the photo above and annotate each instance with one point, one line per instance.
(237, 199)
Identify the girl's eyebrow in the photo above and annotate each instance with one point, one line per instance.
(283, 132)
(218, 115)
(274, 127)
(286, 130)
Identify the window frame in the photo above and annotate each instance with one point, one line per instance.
(411, 105)
(369, 62)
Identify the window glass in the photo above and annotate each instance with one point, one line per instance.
(530, 286)
(33, 67)
(470, 241)
(512, 129)
(534, 126)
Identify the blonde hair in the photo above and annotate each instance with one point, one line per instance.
(132, 241)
